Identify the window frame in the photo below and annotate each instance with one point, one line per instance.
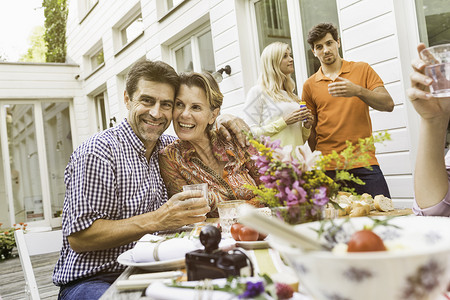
(101, 104)
(84, 9)
(297, 42)
(192, 39)
(163, 10)
(131, 16)
(88, 59)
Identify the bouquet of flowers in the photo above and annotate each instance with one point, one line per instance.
(7, 240)
(295, 182)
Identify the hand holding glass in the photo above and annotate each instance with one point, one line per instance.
(437, 59)
(198, 187)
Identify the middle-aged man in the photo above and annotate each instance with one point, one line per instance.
(114, 190)
(339, 95)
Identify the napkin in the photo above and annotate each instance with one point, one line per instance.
(160, 291)
(166, 249)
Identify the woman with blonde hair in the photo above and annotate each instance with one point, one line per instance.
(272, 108)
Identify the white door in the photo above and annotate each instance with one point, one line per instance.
(36, 143)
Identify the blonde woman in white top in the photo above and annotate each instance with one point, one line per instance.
(271, 108)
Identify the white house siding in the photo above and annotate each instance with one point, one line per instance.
(369, 33)
(37, 81)
(158, 35)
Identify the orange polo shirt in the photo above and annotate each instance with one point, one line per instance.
(341, 118)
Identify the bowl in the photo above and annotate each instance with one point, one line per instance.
(416, 265)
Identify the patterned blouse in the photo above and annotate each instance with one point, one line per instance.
(180, 165)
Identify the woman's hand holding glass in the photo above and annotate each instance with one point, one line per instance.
(301, 115)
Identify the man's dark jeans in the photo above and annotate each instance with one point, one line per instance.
(374, 179)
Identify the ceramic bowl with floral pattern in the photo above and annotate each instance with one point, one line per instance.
(415, 266)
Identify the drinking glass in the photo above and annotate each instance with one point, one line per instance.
(437, 59)
(228, 214)
(198, 187)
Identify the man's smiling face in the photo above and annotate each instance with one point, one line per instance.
(150, 110)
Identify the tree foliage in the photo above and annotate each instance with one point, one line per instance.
(55, 12)
(36, 52)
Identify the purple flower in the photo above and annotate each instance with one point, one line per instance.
(284, 176)
(281, 195)
(295, 195)
(320, 197)
(262, 163)
(270, 144)
(253, 289)
(268, 180)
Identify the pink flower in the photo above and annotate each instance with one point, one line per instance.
(295, 195)
(284, 176)
(306, 158)
(320, 196)
(269, 143)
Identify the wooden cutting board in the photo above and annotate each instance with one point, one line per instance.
(395, 212)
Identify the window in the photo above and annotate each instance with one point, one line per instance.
(94, 59)
(128, 29)
(172, 3)
(196, 53)
(312, 13)
(102, 111)
(272, 22)
(165, 7)
(97, 59)
(131, 30)
(433, 17)
(85, 7)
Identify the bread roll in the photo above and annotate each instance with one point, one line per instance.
(360, 209)
(383, 203)
(346, 209)
(343, 199)
(367, 198)
(344, 194)
(358, 212)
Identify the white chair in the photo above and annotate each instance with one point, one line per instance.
(35, 243)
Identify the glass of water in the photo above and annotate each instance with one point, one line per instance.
(437, 59)
(198, 187)
(228, 214)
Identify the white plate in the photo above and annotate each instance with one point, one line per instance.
(253, 244)
(172, 264)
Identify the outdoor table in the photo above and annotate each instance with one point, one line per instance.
(114, 293)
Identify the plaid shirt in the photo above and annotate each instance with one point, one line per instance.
(108, 177)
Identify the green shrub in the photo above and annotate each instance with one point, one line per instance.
(7, 240)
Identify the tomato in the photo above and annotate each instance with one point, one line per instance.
(262, 236)
(235, 228)
(364, 241)
(248, 234)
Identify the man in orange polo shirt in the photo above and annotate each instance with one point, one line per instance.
(339, 96)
